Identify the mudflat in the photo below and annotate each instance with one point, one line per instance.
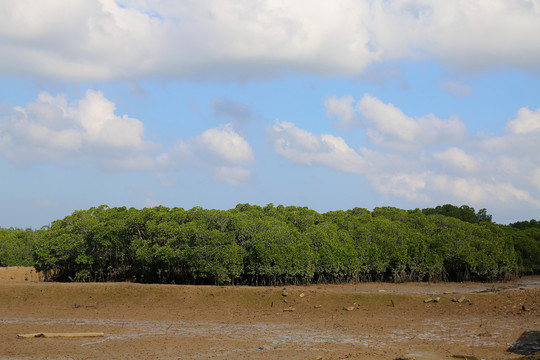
(349, 321)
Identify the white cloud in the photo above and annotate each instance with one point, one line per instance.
(104, 40)
(205, 39)
(389, 127)
(526, 122)
(520, 139)
(408, 186)
(221, 151)
(476, 191)
(303, 147)
(457, 160)
(225, 144)
(471, 35)
(477, 170)
(343, 110)
(88, 129)
(426, 186)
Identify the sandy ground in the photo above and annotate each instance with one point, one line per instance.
(362, 321)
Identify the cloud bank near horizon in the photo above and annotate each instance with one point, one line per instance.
(103, 40)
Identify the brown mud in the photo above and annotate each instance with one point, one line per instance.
(351, 321)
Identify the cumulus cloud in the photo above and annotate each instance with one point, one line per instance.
(388, 126)
(526, 122)
(457, 160)
(303, 147)
(408, 186)
(241, 40)
(88, 129)
(441, 160)
(343, 111)
(469, 35)
(101, 39)
(478, 191)
(220, 151)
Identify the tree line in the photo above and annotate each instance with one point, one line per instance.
(275, 245)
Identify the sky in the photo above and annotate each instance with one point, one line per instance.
(329, 104)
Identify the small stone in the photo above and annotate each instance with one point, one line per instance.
(428, 300)
(289, 309)
(318, 306)
(284, 293)
(348, 308)
(302, 295)
(437, 299)
(461, 299)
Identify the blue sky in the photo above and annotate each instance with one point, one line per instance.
(326, 104)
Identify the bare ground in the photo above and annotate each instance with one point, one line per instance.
(362, 321)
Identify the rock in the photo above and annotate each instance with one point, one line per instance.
(318, 306)
(302, 295)
(428, 300)
(289, 309)
(461, 299)
(437, 299)
(527, 344)
(348, 308)
(284, 293)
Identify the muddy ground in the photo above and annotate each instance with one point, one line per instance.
(362, 321)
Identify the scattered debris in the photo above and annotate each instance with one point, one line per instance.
(462, 299)
(60, 335)
(419, 356)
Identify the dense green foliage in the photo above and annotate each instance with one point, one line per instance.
(463, 213)
(526, 238)
(274, 245)
(16, 247)
(270, 245)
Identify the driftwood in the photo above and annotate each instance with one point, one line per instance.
(60, 335)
